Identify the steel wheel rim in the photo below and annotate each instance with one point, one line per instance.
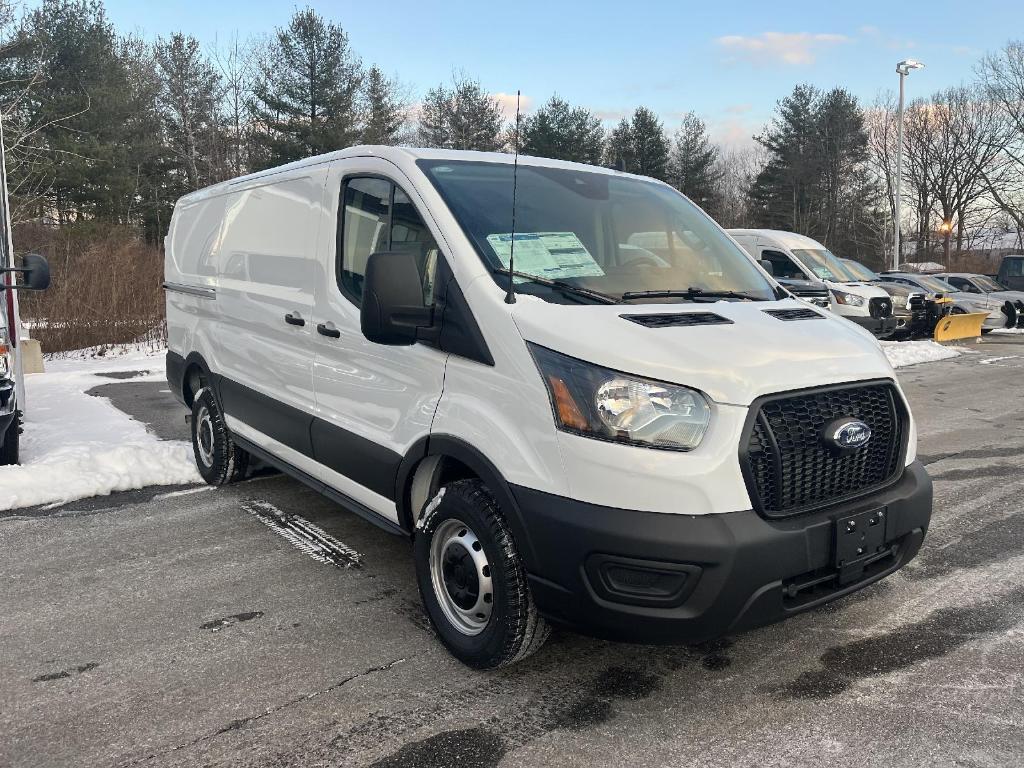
(461, 577)
(204, 436)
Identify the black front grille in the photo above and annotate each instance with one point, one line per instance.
(668, 320)
(880, 307)
(917, 303)
(794, 314)
(787, 465)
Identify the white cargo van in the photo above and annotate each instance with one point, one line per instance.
(634, 431)
(794, 256)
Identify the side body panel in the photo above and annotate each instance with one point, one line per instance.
(266, 270)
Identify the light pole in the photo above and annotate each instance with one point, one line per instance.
(903, 69)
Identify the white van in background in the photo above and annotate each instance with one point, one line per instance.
(604, 414)
(794, 256)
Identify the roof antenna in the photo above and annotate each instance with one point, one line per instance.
(510, 296)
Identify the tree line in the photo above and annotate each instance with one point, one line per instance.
(106, 127)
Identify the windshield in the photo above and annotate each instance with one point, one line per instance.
(608, 234)
(987, 284)
(824, 264)
(934, 284)
(859, 271)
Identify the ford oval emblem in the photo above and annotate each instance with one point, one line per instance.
(847, 434)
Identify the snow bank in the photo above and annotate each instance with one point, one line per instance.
(75, 445)
(904, 353)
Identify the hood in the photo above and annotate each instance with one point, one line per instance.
(754, 355)
(867, 290)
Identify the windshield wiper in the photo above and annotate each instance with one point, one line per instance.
(602, 298)
(693, 294)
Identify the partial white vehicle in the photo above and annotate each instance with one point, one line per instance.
(580, 399)
(795, 256)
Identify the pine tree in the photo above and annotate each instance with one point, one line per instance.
(190, 89)
(693, 166)
(784, 192)
(562, 132)
(461, 117)
(91, 108)
(304, 98)
(639, 146)
(618, 151)
(650, 147)
(385, 112)
(814, 180)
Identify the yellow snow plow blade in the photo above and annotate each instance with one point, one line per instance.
(965, 326)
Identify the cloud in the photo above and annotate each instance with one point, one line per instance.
(738, 109)
(507, 102)
(610, 115)
(784, 47)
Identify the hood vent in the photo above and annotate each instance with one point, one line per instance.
(794, 314)
(676, 319)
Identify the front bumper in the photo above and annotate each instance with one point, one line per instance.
(655, 577)
(880, 327)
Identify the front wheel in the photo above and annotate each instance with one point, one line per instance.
(472, 581)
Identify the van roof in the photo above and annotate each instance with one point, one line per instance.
(397, 155)
(780, 237)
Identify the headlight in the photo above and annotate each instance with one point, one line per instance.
(604, 404)
(848, 298)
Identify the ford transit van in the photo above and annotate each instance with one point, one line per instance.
(797, 256)
(580, 399)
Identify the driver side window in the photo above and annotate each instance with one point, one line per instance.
(782, 265)
(379, 216)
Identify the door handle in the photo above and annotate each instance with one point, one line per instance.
(294, 319)
(330, 332)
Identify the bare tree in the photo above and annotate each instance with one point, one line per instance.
(233, 61)
(1002, 80)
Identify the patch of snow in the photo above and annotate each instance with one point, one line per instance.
(904, 353)
(1008, 331)
(76, 445)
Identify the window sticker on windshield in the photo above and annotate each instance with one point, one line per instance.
(555, 255)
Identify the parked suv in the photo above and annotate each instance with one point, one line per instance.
(580, 399)
(796, 256)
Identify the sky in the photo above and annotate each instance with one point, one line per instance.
(728, 61)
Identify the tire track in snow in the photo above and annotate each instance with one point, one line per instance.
(304, 535)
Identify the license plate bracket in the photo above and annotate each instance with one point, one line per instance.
(859, 537)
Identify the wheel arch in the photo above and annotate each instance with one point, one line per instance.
(436, 460)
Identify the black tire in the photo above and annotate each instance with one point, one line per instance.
(11, 448)
(218, 459)
(513, 629)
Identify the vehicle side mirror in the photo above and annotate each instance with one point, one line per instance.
(36, 273)
(768, 267)
(392, 311)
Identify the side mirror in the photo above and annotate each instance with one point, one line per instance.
(36, 273)
(392, 311)
(768, 267)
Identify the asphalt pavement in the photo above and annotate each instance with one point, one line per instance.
(190, 626)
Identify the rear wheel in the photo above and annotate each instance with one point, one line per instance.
(472, 581)
(11, 446)
(218, 459)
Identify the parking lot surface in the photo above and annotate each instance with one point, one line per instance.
(189, 626)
